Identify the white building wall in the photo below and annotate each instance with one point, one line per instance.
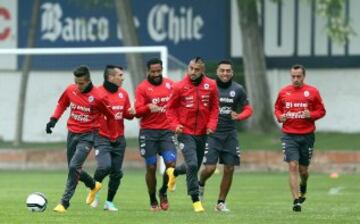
(339, 89)
(44, 90)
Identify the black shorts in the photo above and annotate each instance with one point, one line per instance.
(298, 147)
(222, 147)
(157, 142)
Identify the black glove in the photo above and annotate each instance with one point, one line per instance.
(50, 125)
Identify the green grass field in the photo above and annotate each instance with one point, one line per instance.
(254, 198)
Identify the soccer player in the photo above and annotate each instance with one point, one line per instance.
(223, 145)
(109, 148)
(193, 114)
(297, 107)
(155, 137)
(85, 108)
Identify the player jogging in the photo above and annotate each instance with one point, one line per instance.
(297, 107)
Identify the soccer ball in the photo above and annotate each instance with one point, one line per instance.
(36, 202)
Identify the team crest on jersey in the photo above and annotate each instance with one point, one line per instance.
(181, 145)
(121, 95)
(168, 85)
(90, 99)
(206, 86)
(306, 93)
(232, 93)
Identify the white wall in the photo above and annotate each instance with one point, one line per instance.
(43, 92)
(340, 91)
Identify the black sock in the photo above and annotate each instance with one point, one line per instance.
(175, 173)
(303, 188)
(152, 198)
(163, 189)
(221, 201)
(195, 198)
(111, 195)
(201, 184)
(296, 201)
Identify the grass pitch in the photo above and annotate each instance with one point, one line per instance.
(254, 198)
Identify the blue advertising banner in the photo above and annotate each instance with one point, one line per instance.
(188, 28)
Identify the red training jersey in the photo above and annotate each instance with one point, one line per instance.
(292, 101)
(147, 93)
(119, 103)
(194, 107)
(85, 109)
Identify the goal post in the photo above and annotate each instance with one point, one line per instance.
(91, 50)
(162, 50)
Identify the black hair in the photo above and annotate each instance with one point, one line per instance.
(82, 71)
(108, 70)
(224, 62)
(153, 61)
(298, 66)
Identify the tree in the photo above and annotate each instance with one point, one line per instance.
(26, 66)
(130, 38)
(255, 67)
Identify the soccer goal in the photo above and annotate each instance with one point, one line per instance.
(50, 73)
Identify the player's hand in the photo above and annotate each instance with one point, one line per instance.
(154, 108)
(209, 131)
(51, 124)
(131, 111)
(179, 129)
(234, 115)
(307, 113)
(282, 118)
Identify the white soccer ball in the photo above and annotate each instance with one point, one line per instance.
(36, 202)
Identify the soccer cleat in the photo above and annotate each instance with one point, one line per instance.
(198, 207)
(164, 203)
(95, 203)
(154, 207)
(59, 208)
(221, 207)
(172, 179)
(92, 193)
(297, 205)
(201, 192)
(109, 206)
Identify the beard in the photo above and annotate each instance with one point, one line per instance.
(157, 80)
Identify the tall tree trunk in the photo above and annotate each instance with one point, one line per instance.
(130, 38)
(255, 67)
(25, 75)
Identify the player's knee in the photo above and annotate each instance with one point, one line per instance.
(293, 166)
(229, 169)
(104, 169)
(169, 156)
(151, 168)
(192, 167)
(151, 161)
(74, 169)
(117, 175)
